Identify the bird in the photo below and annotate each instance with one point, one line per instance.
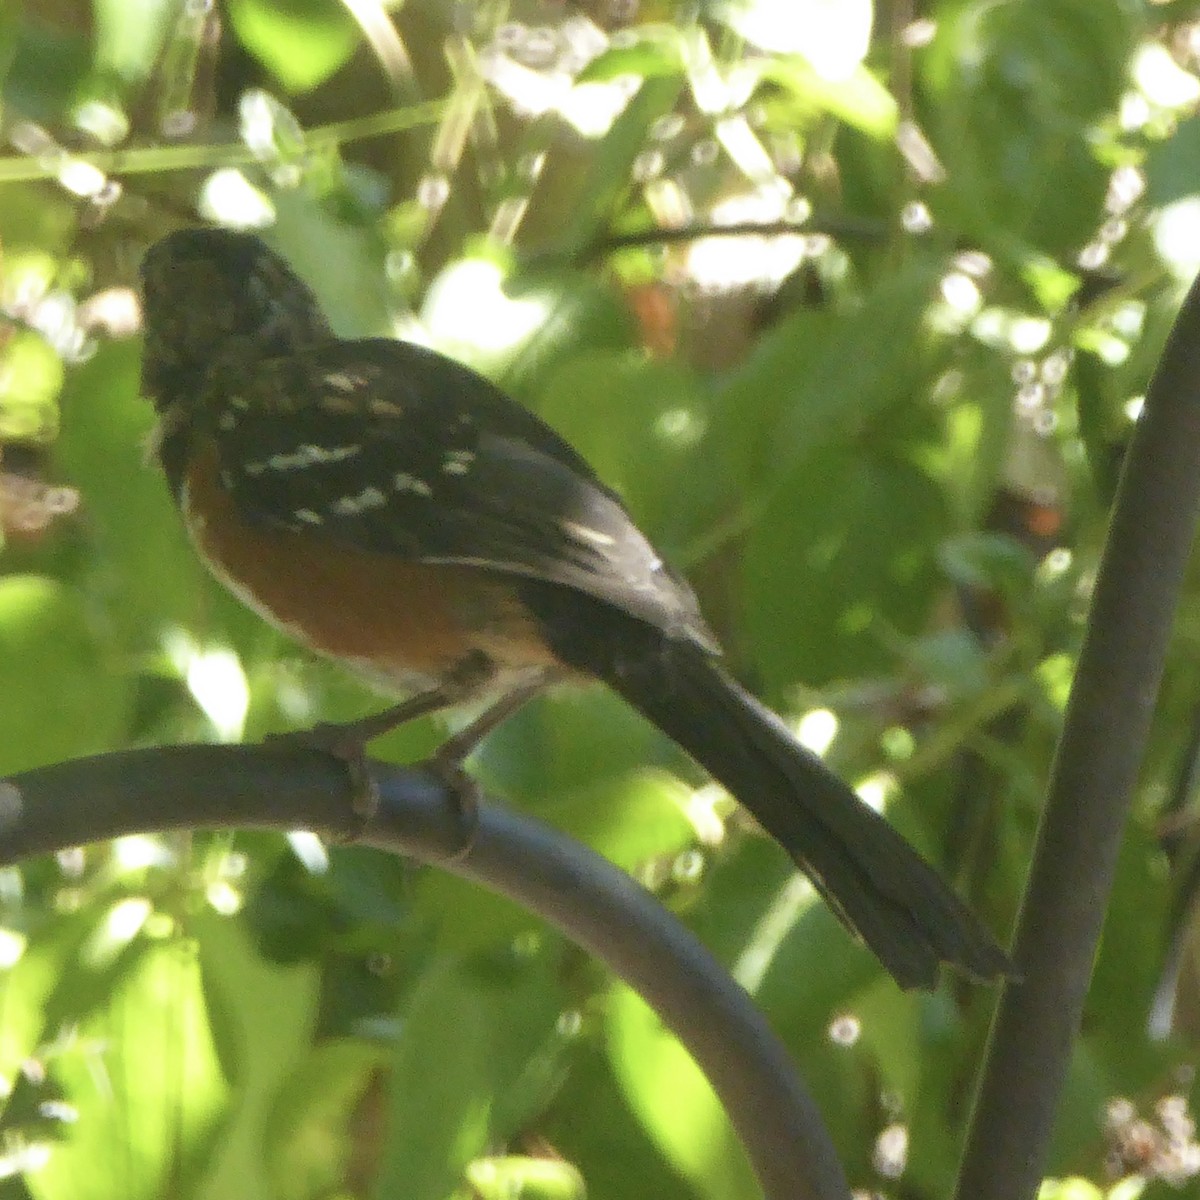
(392, 509)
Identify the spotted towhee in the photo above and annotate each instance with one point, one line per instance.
(392, 509)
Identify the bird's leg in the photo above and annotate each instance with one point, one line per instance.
(347, 740)
(447, 761)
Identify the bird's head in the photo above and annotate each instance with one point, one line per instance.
(212, 295)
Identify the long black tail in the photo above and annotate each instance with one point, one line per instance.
(870, 876)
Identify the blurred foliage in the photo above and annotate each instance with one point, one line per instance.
(854, 305)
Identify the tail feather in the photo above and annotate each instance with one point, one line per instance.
(871, 877)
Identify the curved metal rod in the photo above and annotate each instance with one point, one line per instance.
(1141, 576)
(574, 889)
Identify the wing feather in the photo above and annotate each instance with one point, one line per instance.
(387, 447)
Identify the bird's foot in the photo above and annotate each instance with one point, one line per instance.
(344, 742)
(464, 793)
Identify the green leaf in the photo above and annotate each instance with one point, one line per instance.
(130, 35)
(891, 1034)
(301, 42)
(953, 660)
(470, 1065)
(31, 374)
(262, 1017)
(438, 1116)
(832, 34)
(515, 1177)
(581, 315)
(145, 567)
(468, 918)
(1173, 165)
(1130, 960)
(628, 820)
(656, 50)
(1104, 427)
(858, 98)
(820, 377)
(517, 328)
(60, 693)
(50, 956)
(802, 968)
(342, 263)
(569, 739)
(674, 1102)
(307, 1141)
(840, 560)
(640, 423)
(991, 561)
(1012, 91)
(145, 1080)
(42, 67)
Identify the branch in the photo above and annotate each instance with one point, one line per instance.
(191, 156)
(1092, 781)
(838, 225)
(590, 900)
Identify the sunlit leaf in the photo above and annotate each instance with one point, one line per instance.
(307, 1144)
(150, 574)
(30, 377)
(655, 50)
(525, 1179)
(1069, 1189)
(148, 1089)
(858, 97)
(301, 42)
(469, 1062)
(262, 1018)
(818, 378)
(673, 1100)
(833, 35)
(1032, 121)
(61, 693)
(628, 820)
(130, 34)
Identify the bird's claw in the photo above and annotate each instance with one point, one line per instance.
(465, 794)
(339, 742)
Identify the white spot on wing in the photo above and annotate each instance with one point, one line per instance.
(351, 506)
(153, 442)
(341, 382)
(458, 462)
(385, 408)
(402, 481)
(307, 515)
(227, 422)
(586, 534)
(310, 455)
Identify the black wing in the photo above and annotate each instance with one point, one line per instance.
(392, 448)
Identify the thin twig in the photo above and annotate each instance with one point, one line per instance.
(838, 225)
(190, 157)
